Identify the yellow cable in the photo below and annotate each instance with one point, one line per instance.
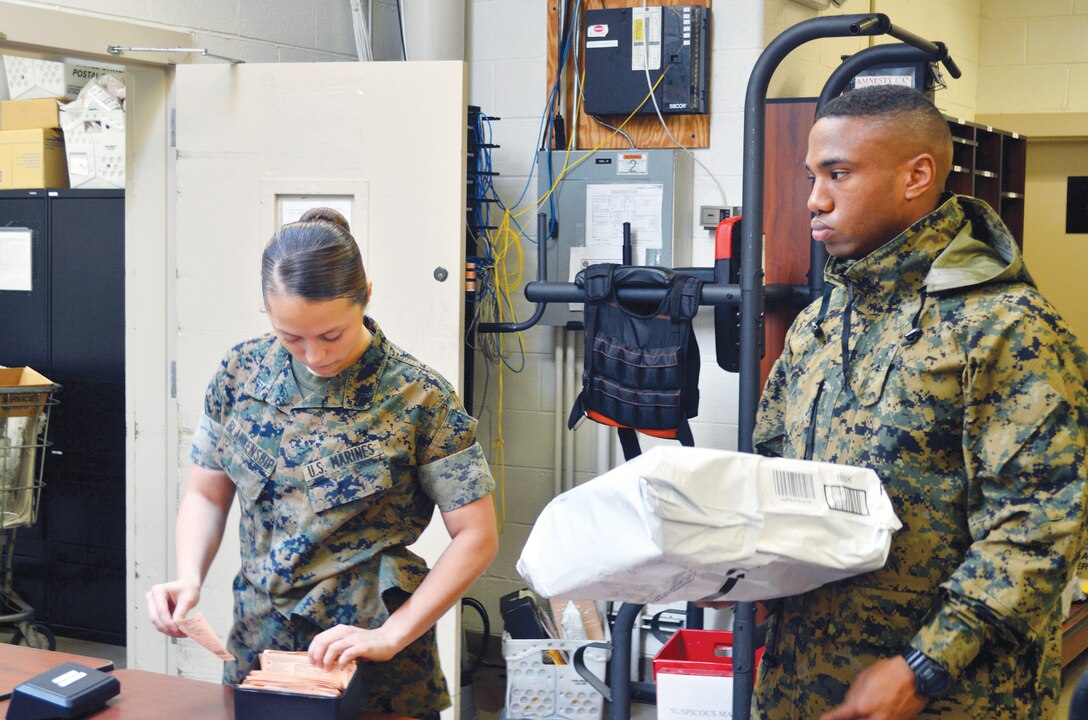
(540, 200)
(506, 282)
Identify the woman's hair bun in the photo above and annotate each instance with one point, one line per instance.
(326, 214)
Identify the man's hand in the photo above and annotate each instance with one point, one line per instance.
(883, 691)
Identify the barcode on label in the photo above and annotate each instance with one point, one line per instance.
(794, 486)
(845, 499)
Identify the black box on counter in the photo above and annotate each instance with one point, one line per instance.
(252, 704)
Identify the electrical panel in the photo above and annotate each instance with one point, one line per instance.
(623, 44)
(650, 189)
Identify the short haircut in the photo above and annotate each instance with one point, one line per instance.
(314, 259)
(903, 106)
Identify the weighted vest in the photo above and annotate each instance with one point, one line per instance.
(641, 359)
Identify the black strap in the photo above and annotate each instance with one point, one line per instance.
(629, 443)
(577, 411)
(818, 323)
(598, 281)
(911, 336)
(632, 449)
(690, 291)
(683, 434)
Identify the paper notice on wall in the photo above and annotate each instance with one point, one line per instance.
(292, 207)
(608, 207)
(16, 268)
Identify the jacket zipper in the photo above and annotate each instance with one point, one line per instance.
(810, 441)
(847, 313)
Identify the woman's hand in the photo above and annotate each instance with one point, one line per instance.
(169, 602)
(340, 645)
(199, 529)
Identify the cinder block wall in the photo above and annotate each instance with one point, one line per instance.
(954, 22)
(1035, 58)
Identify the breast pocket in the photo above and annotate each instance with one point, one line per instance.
(341, 477)
(872, 374)
(249, 474)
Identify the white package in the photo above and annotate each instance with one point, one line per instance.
(691, 523)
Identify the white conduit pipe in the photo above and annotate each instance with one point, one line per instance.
(433, 30)
(604, 447)
(571, 393)
(559, 340)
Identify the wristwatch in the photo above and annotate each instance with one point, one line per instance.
(930, 679)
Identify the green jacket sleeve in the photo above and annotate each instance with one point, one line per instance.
(1025, 453)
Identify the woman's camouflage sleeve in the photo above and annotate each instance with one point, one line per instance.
(1025, 452)
(454, 470)
(207, 434)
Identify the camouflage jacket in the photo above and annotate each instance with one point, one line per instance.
(940, 366)
(332, 489)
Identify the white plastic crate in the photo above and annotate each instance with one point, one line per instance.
(539, 689)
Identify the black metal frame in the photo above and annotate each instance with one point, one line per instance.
(750, 294)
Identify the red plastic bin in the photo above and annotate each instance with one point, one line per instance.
(698, 652)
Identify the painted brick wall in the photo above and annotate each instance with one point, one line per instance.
(953, 22)
(1034, 57)
(505, 49)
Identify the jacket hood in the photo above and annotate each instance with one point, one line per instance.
(960, 245)
(982, 251)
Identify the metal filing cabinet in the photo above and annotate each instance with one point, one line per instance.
(70, 327)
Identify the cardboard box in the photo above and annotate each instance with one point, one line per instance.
(24, 392)
(94, 141)
(76, 76)
(683, 697)
(32, 159)
(250, 704)
(28, 114)
(693, 672)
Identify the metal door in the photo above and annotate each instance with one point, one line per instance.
(256, 141)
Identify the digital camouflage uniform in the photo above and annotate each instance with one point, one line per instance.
(978, 430)
(332, 489)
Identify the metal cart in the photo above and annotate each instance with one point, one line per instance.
(24, 428)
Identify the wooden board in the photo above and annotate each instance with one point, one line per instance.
(785, 216)
(19, 663)
(692, 131)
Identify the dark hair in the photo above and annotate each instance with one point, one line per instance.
(314, 259)
(901, 105)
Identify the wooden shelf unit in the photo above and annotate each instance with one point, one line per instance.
(1075, 633)
(990, 164)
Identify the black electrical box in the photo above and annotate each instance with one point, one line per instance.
(622, 44)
